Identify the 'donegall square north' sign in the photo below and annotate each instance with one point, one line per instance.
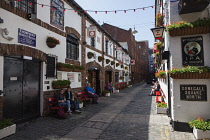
(193, 92)
(192, 51)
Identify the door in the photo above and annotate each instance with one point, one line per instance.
(21, 89)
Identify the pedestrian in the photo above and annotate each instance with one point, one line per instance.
(157, 89)
(69, 97)
(109, 87)
(61, 100)
(91, 94)
(153, 89)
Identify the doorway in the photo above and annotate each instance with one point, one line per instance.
(108, 76)
(21, 89)
(94, 80)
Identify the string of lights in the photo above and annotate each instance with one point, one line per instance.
(95, 11)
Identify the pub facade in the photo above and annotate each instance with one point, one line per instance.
(43, 43)
(186, 93)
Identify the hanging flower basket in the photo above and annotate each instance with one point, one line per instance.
(205, 75)
(90, 55)
(52, 42)
(117, 64)
(100, 58)
(112, 62)
(107, 61)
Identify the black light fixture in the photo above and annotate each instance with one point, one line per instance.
(158, 32)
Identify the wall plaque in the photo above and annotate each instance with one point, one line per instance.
(192, 51)
(27, 38)
(193, 92)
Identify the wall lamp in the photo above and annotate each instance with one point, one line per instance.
(158, 32)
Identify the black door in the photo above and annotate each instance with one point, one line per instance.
(98, 87)
(21, 89)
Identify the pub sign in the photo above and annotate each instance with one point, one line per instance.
(192, 51)
(193, 92)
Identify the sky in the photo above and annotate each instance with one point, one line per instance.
(142, 20)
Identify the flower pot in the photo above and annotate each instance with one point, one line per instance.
(205, 75)
(7, 131)
(117, 90)
(189, 31)
(161, 110)
(81, 105)
(106, 94)
(51, 44)
(200, 134)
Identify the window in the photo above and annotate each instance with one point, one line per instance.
(72, 47)
(116, 76)
(26, 5)
(106, 46)
(92, 41)
(116, 55)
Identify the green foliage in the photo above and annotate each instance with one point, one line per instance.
(184, 24)
(61, 82)
(107, 61)
(160, 73)
(200, 123)
(100, 58)
(69, 66)
(190, 69)
(90, 54)
(106, 91)
(112, 62)
(158, 45)
(52, 39)
(162, 104)
(5, 123)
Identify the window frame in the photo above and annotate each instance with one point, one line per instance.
(71, 42)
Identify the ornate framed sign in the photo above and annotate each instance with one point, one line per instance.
(57, 13)
(192, 51)
(193, 92)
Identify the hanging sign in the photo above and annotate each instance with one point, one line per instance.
(27, 38)
(193, 92)
(92, 31)
(192, 51)
(132, 62)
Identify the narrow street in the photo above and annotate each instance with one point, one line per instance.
(127, 115)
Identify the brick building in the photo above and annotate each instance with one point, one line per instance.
(138, 51)
(30, 64)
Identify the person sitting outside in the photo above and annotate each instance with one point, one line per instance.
(61, 99)
(70, 97)
(157, 89)
(109, 87)
(91, 94)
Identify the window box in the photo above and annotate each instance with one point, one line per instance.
(205, 75)
(200, 134)
(7, 131)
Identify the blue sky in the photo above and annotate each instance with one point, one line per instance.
(143, 20)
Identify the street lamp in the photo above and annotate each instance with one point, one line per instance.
(158, 32)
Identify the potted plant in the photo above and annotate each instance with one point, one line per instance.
(201, 128)
(107, 61)
(160, 74)
(159, 20)
(100, 58)
(60, 84)
(159, 45)
(190, 72)
(106, 93)
(117, 64)
(161, 108)
(117, 90)
(7, 128)
(122, 66)
(200, 26)
(80, 103)
(112, 62)
(52, 42)
(90, 55)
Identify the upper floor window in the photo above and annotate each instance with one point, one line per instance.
(57, 13)
(26, 5)
(72, 47)
(106, 47)
(92, 41)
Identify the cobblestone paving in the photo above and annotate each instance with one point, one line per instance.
(128, 115)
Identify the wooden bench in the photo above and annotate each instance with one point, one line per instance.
(82, 96)
(121, 85)
(53, 106)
